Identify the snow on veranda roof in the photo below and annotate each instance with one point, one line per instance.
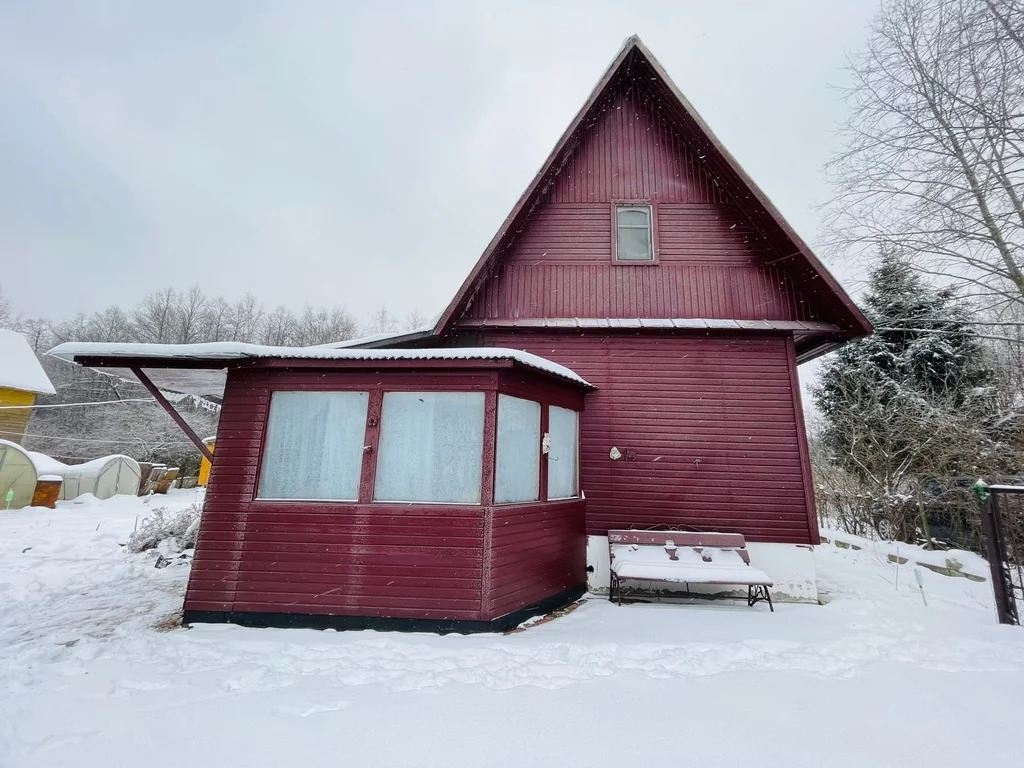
(230, 351)
(19, 367)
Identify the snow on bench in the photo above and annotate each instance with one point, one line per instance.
(684, 557)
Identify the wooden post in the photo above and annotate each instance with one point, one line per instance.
(929, 544)
(166, 405)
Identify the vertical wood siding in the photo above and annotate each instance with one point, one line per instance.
(708, 427)
(711, 262)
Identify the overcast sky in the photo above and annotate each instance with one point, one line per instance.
(336, 153)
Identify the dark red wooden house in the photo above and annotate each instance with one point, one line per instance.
(642, 258)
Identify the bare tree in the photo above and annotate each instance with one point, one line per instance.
(934, 159)
(168, 316)
(414, 319)
(246, 318)
(76, 328)
(8, 317)
(188, 315)
(153, 320)
(112, 324)
(38, 332)
(381, 321)
(341, 326)
(323, 326)
(215, 320)
(279, 327)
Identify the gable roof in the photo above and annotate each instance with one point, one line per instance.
(797, 256)
(19, 366)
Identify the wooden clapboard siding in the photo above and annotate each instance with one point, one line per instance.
(710, 429)
(536, 550)
(369, 559)
(14, 420)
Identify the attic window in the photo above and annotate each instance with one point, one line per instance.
(633, 236)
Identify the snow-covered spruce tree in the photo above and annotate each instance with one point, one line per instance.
(908, 403)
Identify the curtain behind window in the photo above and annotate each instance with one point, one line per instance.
(431, 447)
(563, 459)
(314, 446)
(517, 467)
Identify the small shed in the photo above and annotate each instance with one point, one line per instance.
(433, 489)
(22, 378)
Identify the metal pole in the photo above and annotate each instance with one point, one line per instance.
(1006, 608)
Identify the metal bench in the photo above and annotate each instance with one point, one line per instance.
(684, 557)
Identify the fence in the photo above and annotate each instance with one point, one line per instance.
(1002, 525)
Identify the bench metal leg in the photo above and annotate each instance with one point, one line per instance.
(757, 593)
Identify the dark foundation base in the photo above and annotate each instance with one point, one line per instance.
(385, 623)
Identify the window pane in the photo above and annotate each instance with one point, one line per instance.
(633, 245)
(314, 446)
(635, 217)
(633, 234)
(431, 447)
(517, 470)
(563, 458)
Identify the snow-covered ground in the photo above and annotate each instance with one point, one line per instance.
(873, 678)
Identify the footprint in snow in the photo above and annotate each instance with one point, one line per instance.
(305, 710)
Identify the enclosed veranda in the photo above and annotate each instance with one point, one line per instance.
(434, 489)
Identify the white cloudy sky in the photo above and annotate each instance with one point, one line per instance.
(341, 153)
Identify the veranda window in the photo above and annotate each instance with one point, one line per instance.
(431, 447)
(314, 446)
(563, 458)
(517, 469)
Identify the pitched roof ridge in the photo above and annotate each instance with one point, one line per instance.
(562, 151)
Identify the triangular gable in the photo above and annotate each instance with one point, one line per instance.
(634, 60)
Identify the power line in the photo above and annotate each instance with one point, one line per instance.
(127, 440)
(75, 405)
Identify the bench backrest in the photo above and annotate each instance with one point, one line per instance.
(681, 539)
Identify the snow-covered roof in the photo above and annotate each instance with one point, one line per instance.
(19, 366)
(376, 338)
(227, 351)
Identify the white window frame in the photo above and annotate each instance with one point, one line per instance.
(645, 208)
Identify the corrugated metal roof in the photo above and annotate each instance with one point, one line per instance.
(227, 351)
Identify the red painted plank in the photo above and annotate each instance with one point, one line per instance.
(698, 446)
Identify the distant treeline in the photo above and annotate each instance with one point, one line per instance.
(187, 317)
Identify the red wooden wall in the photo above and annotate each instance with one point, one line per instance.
(534, 551)
(711, 262)
(712, 423)
(433, 562)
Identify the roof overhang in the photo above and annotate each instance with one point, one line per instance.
(220, 355)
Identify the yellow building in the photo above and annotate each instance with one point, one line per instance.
(204, 463)
(22, 378)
